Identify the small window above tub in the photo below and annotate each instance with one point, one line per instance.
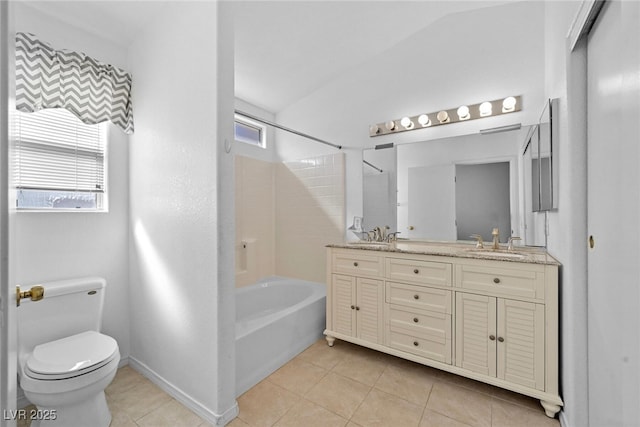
(250, 132)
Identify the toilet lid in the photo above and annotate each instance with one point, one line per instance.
(72, 355)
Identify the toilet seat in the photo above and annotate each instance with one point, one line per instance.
(71, 356)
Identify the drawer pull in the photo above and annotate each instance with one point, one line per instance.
(416, 271)
(500, 339)
(492, 337)
(355, 264)
(496, 280)
(415, 320)
(416, 343)
(353, 307)
(416, 296)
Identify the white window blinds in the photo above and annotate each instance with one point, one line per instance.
(57, 152)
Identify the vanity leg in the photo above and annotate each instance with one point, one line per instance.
(330, 340)
(551, 409)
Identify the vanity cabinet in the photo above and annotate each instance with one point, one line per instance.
(491, 320)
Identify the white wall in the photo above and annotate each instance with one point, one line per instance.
(565, 78)
(181, 278)
(57, 245)
(454, 61)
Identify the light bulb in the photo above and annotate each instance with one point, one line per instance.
(443, 117)
(485, 109)
(463, 112)
(508, 104)
(424, 120)
(390, 125)
(374, 129)
(406, 123)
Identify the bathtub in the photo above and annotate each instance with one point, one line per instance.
(276, 319)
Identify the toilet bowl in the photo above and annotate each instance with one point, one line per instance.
(63, 369)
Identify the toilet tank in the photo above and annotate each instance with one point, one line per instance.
(68, 307)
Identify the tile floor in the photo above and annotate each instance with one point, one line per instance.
(344, 385)
(347, 385)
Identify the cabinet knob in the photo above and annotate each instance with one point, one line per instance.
(416, 296)
(357, 308)
(353, 307)
(500, 339)
(415, 320)
(496, 280)
(416, 343)
(355, 264)
(492, 337)
(416, 271)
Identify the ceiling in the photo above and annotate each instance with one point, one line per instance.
(284, 50)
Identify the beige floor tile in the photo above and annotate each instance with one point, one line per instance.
(506, 414)
(126, 378)
(121, 419)
(265, 403)
(408, 381)
(462, 404)
(517, 398)
(468, 383)
(338, 394)
(298, 376)
(308, 414)
(237, 422)
(139, 400)
(171, 414)
(365, 367)
(381, 409)
(326, 357)
(433, 419)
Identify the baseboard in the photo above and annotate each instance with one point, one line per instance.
(182, 397)
(124, 361)
(563, 419)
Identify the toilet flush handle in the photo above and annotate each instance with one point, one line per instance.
(36, 293)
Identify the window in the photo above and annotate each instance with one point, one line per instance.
(59, 161)
(250, 132)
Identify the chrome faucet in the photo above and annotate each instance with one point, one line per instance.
(479, 242)
(511, 239)
(496, 239)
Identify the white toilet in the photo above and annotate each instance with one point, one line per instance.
(64, 362)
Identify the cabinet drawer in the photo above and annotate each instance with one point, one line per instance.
(358, 264)
(435, 349)
(420, 297)
(524, 282)
(426, 324)
(434, 273)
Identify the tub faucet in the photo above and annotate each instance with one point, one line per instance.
(496, 239)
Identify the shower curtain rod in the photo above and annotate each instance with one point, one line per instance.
(373, 166)
(275, 125)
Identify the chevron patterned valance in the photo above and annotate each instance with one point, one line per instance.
(49, 78)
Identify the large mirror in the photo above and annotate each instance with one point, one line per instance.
(447, 189)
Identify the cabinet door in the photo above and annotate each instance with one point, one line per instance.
(369, 298)
(476, 333)
(344, 298)
(521, 343)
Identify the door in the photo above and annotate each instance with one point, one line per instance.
(476, 333)
(369, 309)
(613, 108)
(483, 200)
(431, 206)
(520, 349)
(344, 301)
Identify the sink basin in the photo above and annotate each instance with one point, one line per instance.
(496, 254)
(370, 244)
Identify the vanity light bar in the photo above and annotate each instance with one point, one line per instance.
(497, 107)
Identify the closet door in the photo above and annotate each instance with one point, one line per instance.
(614, 215)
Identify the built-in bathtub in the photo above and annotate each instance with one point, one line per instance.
(276, 319)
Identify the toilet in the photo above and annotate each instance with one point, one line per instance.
(64, 362)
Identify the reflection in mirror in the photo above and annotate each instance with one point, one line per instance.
(453, 187)
(379, 187)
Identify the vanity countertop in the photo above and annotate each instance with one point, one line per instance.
(455, 249)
